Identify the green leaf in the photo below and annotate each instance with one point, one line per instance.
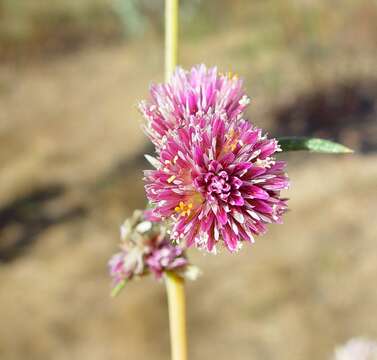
(312, 145)
(117, 288)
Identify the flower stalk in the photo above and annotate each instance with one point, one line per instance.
(174, 283)
(171, 36)
(177, 315)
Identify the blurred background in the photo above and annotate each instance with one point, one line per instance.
(71, 160)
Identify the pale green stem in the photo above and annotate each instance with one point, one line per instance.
(171, 36)
(175, 289)
(174, 284)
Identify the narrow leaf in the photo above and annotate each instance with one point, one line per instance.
(312, 145)
(117, 288)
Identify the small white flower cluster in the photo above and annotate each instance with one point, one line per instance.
(357, 349)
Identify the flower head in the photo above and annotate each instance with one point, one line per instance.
(216, 180)
(191, 94)
(357, 349)
(144, 248)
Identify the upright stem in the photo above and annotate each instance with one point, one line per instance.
(174, 284)
(177, 315)
(171, 36)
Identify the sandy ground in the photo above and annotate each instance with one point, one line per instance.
(305, 287)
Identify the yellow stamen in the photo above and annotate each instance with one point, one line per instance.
(171, 179)
(184, 209)
(232, 140)
(230, 75)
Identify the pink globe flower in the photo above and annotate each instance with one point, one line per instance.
(145, 248)
(189, 94)
(216, 180)
(166, 257)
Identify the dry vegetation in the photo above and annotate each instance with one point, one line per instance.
(71, 165)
